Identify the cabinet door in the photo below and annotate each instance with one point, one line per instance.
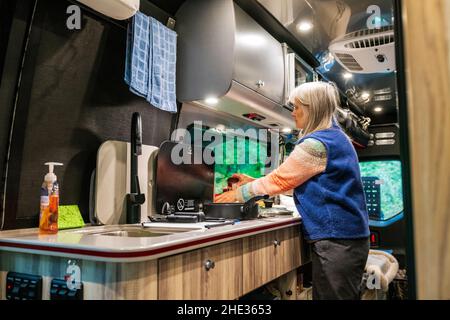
(259, 58)
(258, 262)
(211, 273)
(288, 250)
(269, 255)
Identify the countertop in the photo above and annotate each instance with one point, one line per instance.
(81, 244)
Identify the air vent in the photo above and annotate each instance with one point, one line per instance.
(371, 42)
(349, 61)
(366, 51)
(366, 32)
(254, 116)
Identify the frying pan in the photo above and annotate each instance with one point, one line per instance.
(233, 210)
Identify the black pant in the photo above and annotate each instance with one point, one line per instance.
(338, 267)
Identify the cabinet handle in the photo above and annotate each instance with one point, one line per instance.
(289, 293)
(260, 83)
(209, 264)
(276, 243)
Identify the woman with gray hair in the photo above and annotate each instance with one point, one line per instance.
(323, 171)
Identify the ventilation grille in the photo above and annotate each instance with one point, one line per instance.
(367, 32)
(349, 61)
(371, 42)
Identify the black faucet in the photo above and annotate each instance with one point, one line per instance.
(135, 198)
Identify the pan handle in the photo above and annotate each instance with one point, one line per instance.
(249, 204)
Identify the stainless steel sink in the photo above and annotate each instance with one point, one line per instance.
(123, 233)
(134, 231)
(140, 232)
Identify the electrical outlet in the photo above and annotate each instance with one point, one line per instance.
(60, 291)
(21, 286)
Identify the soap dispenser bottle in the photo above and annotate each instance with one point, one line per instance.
(48, 219)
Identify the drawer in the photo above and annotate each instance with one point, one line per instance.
(269, 255)
(210, 273)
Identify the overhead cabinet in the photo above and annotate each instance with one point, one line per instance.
(224, 54)
(259, 61)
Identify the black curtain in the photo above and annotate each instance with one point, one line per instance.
(71, 98)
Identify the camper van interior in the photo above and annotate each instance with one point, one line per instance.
(155, 111)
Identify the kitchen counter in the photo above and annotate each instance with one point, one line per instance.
(82, 244)
(183, 261)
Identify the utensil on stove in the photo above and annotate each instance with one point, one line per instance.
(234, 210)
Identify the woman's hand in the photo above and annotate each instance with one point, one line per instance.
(229, 196)
(242, 179)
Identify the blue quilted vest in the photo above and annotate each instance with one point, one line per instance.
(332, 204)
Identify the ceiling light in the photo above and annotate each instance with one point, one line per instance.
(251, 39)
(383, 91)
(286, 130)
(347, 75)
(378, 109)
(365, 95)
(304, 26)
(221, 128)
(212, 101)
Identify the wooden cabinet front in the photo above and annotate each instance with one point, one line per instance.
(210, 273)
(288, 250)
(269, 255)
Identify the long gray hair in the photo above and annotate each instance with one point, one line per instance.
(320, 100)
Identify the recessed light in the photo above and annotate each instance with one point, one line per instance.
(378, 109)
(286, 130)
(365, 95)
(220, 127)
(304, 26)
(212, 100)
(347, 75)
(251, 39)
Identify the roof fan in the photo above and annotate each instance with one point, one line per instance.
(366, 50)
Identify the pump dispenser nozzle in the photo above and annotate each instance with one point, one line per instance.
(50, 176)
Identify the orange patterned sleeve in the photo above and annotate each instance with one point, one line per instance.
(305, 161)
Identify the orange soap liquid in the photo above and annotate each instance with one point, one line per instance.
(49, 220)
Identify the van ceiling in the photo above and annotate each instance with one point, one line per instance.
(319, 23)
(169, 6)
(374, 91)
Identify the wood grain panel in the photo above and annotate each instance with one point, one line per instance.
(184, 276)
(426, 38)
(287, 254)
(258, 260)
(264, 261)
(287, 284)
(101, 280)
